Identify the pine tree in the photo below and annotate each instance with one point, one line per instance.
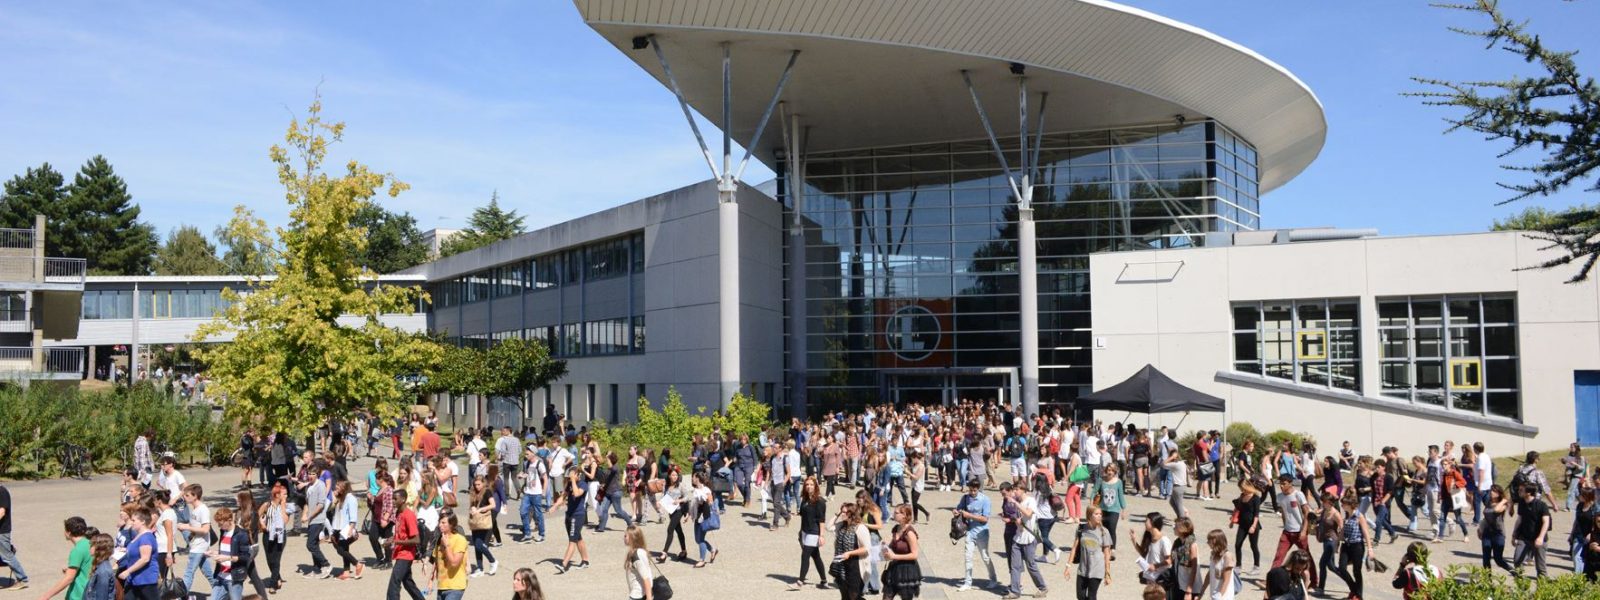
(487, 225)
(393, 242)
(1555, 112)
(106, 221)
(188, 252)
(37, 191)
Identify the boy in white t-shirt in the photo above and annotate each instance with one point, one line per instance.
(198, 526)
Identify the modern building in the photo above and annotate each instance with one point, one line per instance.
(1375, 340)
(171, 309)
(38, 302)
(435, 238)
(945, 170)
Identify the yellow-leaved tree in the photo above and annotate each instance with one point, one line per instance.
(291, 363)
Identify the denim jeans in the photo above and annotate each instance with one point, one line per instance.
(314, 546)
(1577, 554)
(1383, 522)
(700, 542)
(227, 590)
(1494, 550)
(1166, 483)
(978, 542)
(533, 505)
(8, 556)
(204, 565)
(612, 503)
(451, 594)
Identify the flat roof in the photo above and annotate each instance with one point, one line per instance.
(877, 73)
(401, 277)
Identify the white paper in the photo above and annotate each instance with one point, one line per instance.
(810, 540)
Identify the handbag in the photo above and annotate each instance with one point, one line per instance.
(1206, 469)
(171, 588)
(1079, 474)
(480, 521)
(660, 588)
(958, 528)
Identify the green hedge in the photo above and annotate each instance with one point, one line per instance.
(1239, 432)
(1464, 582)
(674, 426)
(42, 419)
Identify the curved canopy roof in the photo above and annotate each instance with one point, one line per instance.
(887, 72)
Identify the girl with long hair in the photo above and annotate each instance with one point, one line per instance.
(525, 585)
(1247, 519)
(675, 501)
(636, 564)
(1329, 520)
(247, 515)
(1492, 529)
(1092, 554)
(380, 505)
(1292, 578)
(480, 519)
(275, 524)
(1414, 570)
(872, 518)
(1355, 543)
(919, 482)
(1186, 557)
(346, 519)
(102, 575)
(813, 509)
(1220, 569)
(706, 519)
(848, 548)
(1154, 547)
(497, 488)
(903, 576)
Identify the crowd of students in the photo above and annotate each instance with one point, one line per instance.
(421, 513)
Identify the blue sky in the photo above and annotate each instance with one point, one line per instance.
(463, 99)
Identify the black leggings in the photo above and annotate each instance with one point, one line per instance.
(380, 553)
(676, 527)
(832, 481)
(815, 555)
(1088, 589)
(1350, 553)
(275, 561)
(341, 545)
(494, 518)
(916, 505)
(1255, 543)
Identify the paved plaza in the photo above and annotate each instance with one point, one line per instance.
(754, 563)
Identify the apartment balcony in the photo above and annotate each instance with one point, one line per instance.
(21, 363)
(21, 271)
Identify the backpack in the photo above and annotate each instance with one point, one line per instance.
(1518, 481)
(1013, 448)
(1033, 446)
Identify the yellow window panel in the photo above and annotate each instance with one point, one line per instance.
(1311, 344)
(1466, 374)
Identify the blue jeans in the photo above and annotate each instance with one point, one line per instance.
(1166, 483)
(533, 506)
(700, 542)
(1045, 525)
(613, 502)
(961, 470)
(227, 590)
(8, 557)
(1577, 553)
(451, 594)
(978, 542)
(204, 564)
(1384, 523)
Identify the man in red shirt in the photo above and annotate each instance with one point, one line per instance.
(428, 444)
(405, 550)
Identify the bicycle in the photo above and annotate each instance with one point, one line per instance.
(74, 461)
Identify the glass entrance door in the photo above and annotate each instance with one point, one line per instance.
(948, 388)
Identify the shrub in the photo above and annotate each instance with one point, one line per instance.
(1240, 432)
(674, 426)
(43, 418)
(1465, 582)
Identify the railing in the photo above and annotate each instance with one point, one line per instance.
(22, 359)
(43, 270)
(16, 238)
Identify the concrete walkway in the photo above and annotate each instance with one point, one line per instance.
(753, 561)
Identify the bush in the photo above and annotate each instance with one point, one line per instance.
(674, 426)
(1240, 432)
(1464, 582)
(43, 418)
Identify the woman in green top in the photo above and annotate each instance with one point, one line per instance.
(1108, 496)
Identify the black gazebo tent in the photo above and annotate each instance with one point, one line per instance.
(1150, 391)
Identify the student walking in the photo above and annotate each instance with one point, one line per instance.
(675, 502)
(707, 519)
(381, 508)
(1021, 536)
(315, 518)
(636, 565)
(1533, 529)
(450, 559)
(1247, 521)
(1355, 543)
(848, 549)
(346, 518)
(138, 570)
(75, 577)
(480, 520)
(536, 478)
(248, 518)
(198, 527)
(1292, 505)
(1091, 554)
(275, 522)
(903, 577)
(574, 496)
(103, 575)
(813, 509)
(1492, 529)
(407, 536)
(231, 556)
(974, 510)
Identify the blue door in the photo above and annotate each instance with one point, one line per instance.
(1586, 401)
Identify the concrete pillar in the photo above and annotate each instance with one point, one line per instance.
(1028, 300)
(728, 289)
(38, 248)
(798, 361)
(88, 371)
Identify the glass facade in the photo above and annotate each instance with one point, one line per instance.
(1313, 342)
(911, 253)
(1453, 352)
(541, 280)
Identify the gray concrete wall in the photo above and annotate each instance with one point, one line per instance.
(1171, 308)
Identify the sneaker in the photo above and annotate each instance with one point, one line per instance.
(1042, 593)
(964, 587)
(494, 567)
(1055, 556)
(476, 574)
(1010, 596)
(582, 565)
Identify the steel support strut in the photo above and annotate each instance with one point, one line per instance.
(799, 364)
(1021, 182)
(729, 355)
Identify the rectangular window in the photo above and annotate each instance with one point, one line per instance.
(1313, 342)
(1457, 352)
(640, 391)
(616, 405)
(592, 403)
(547, 271)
